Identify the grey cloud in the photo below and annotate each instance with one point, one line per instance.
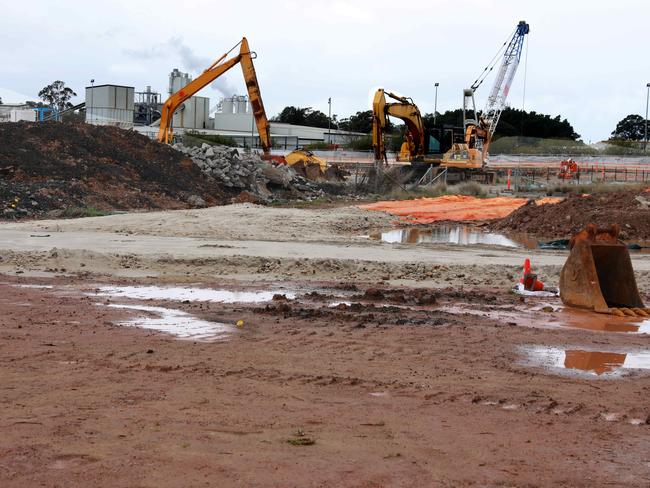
(189, 61)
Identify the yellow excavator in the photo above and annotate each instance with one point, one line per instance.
(403, 108)
(219, 67)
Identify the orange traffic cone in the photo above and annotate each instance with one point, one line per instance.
(529, 280)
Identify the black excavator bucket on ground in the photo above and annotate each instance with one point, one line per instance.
(598, 274)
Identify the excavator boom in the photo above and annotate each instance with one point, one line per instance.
(219, 67)
(403, 108)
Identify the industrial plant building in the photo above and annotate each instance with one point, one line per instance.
(123, 107)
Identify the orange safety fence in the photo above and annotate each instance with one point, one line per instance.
(452, 207)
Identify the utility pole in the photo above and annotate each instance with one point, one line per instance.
(647, 99)
(435, 104)
(92, 93)
(329, 121)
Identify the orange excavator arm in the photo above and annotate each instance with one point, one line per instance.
(404, 109)
(218, 68)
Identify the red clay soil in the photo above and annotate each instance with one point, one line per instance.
(564, 219)
(51, 166)
(308, 395)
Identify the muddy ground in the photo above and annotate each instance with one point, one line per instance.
(387, 365)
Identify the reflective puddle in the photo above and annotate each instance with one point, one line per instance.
(190, 294)
(594, 363)
(642, 327)
(463, 235)
(177, 323)
(574, 318)
(552, 314)
(37, 287)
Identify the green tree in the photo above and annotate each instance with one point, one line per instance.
(302, 116)
(362, 122)
(57, 95)
(631, 128)
(513, 122)
(359, 122)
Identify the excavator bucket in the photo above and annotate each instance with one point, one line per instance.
(598, 274)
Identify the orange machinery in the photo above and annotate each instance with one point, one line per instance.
(219, 67)
(568, 169)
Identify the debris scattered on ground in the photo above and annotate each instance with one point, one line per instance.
(245, 172)
(572, 214)
(520, 289)
(58, 169)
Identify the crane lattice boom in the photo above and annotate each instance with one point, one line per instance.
(497, 100)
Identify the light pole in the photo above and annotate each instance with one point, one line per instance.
(647, 99)
(435, 105)
(92, 94)
(329, 121)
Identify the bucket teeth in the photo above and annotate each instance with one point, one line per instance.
(627, 311)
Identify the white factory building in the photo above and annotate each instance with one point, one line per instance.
(234, 118)
(121, 106)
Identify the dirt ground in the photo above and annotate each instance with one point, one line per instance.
(630, 209)
(375, 364)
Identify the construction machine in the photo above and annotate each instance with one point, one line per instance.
(479, 128)
(219, 67)
(569, 170)
(598, 274)
(403, 108)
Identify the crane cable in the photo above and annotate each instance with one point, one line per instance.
(490, 66)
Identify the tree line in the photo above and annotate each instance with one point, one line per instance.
(513, 122)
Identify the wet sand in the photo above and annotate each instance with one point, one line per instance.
(389, 366)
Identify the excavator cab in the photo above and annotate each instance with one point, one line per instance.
(598, 274)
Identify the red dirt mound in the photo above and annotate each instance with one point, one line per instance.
(571, 215)
(46, 168)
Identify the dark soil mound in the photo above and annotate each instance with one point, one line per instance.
(571, 215)
(51, 168)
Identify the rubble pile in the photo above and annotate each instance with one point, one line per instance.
(239, 171)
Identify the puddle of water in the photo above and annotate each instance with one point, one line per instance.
(594, 363)
(191, 294)
(460, 234)
(176, 323)
(580, 319)
(44, 287)
(560, 317)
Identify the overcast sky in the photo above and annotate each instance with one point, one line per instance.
(586, 59)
